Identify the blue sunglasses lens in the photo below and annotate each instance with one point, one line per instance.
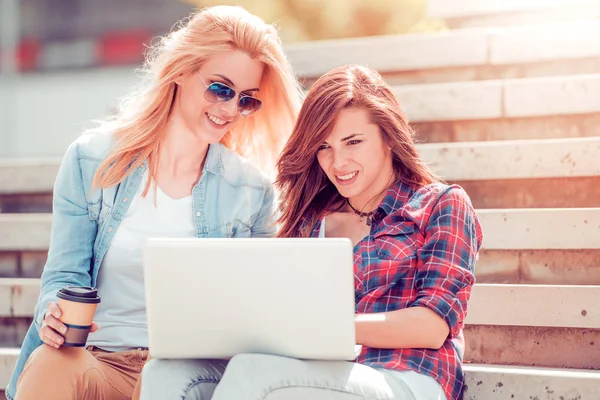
(218, 92)
(249, 105)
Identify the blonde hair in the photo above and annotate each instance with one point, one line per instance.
(139, 124)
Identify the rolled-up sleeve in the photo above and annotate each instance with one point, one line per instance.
(447, 258)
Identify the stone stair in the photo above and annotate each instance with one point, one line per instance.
(511, 113)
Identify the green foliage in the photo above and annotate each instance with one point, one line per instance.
(303, 20)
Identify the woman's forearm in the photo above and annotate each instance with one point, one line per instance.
(414, 327)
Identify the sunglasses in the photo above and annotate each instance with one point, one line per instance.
(218, 92)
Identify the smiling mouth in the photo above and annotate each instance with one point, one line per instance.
(347, 177)
(216, 120)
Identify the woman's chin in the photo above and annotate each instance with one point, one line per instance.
(210, 135)
(347, 191)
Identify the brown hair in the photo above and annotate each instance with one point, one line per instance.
(306, 193)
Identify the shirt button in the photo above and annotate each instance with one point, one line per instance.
(110, 229)
(197, 213)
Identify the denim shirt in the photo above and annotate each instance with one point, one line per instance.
(232, 198)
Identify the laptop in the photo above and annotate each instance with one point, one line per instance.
(215, 298)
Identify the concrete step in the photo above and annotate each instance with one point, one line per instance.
(555, 326)
(462, 161)
(26, 203)
(568, 306)
(505, 229)
(566, 192)
(512, 383)
(553, 347)
(540, 325)
(28, 176)
(562, 306)
(25, 231)
(521, 173)
(543, 127)
(496, 99)
(550, 318)
(13, 330)
(581, 192)
(515, 98)
(519, 159)
(18, 296)
(476, 53)
(22, 264)
(8, 359)
(541, 229)
(539, 267)
(482, 381)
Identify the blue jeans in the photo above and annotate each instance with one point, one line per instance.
(266, 377)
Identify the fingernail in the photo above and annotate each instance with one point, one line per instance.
(60, 340)
(56, 314)
(63, 330)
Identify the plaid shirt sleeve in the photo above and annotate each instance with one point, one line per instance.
(445, 273)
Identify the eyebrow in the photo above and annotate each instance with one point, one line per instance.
(350, 137)
(230, 82)
(347, 137)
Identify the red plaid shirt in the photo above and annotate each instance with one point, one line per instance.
(421, 252)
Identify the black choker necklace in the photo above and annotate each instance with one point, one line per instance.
(362, 215)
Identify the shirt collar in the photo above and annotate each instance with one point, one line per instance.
(396, 196)
(214, 159)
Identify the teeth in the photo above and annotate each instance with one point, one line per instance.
(346, 177)
(216, 120)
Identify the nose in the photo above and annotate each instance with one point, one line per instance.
(340, 160)
(230, 107)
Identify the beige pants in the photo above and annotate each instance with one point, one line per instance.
(77, 373)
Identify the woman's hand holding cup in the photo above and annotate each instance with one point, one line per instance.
(80, 306)
(52, 330)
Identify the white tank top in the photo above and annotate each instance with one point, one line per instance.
(121, 315)
(322, 228)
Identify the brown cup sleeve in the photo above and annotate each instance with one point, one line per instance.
(76, 335)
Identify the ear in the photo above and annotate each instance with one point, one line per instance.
(387, 145)
(179, 80)
(386, 141)
(389, 152)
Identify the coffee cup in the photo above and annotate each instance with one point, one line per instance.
(77, 306)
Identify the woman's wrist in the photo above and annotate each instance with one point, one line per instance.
(357, 329)
(363, 323)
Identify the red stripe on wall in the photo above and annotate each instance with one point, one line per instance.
(28, 54)
(124, 47)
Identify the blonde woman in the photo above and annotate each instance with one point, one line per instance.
(173, 163)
